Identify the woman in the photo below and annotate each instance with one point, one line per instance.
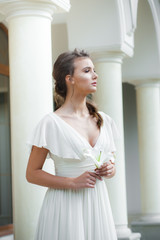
(80, 141)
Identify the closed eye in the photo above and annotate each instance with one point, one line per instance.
(87, 69)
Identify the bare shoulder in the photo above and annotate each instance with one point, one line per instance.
(63, 113)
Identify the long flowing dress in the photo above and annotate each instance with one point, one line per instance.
(67, 214)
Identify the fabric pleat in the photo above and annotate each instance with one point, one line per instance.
(76, 214)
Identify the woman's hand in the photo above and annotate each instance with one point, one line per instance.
(85, 180)
(107, 170)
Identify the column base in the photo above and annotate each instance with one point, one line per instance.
(133, 236)
(149, 227)
(124, 233)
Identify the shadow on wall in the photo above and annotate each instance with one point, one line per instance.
(131, 151)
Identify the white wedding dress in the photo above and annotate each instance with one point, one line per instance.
(83, 214)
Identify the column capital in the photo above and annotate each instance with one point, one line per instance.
(44, 8)
(103, 55)
(152, 83)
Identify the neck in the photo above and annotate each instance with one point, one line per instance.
(76, 105)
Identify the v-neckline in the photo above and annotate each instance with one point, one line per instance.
(81, 136)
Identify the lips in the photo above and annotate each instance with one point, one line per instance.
(94, 83)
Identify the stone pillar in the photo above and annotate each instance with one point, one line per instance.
(109, 99)
(29, 24)
(148, 113)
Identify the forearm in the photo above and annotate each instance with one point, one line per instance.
(45, 179)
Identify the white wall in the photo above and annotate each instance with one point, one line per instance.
(93, 23)
(145, 62)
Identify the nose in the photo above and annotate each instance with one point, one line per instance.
(95, 75)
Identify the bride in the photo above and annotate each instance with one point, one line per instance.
(80, 140)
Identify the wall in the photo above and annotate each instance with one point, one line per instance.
(59, 39)
(89, 24)
(145, 62)
(131, 149)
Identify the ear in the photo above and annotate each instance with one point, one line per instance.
(68, 79)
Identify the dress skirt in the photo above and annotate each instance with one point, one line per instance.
(83, 214)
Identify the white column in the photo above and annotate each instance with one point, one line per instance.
(148, 112)
(109, 100)
(31, 98)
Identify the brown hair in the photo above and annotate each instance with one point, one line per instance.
(64, 65)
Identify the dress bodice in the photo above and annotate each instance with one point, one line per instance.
(71, 167)
(68, 148)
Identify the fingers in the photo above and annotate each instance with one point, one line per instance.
(107, 169)
(89, 185)
(95, 175)
(86, 180)
(91, 179)
(92, 182)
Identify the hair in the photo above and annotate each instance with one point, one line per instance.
(64, 65)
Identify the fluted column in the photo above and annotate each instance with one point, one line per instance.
(109, 100)
(29, 24)
(148, 113)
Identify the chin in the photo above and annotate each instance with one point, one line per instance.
(90, 91)
(93, 90)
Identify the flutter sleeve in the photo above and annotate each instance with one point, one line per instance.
(111, 130)
(49, 134)
(41, 136)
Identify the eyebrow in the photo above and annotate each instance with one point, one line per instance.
(87, 67)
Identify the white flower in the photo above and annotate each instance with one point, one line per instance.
(88, 154)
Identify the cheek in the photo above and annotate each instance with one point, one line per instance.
(83, 80)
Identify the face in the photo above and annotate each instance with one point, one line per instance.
(84, 77)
